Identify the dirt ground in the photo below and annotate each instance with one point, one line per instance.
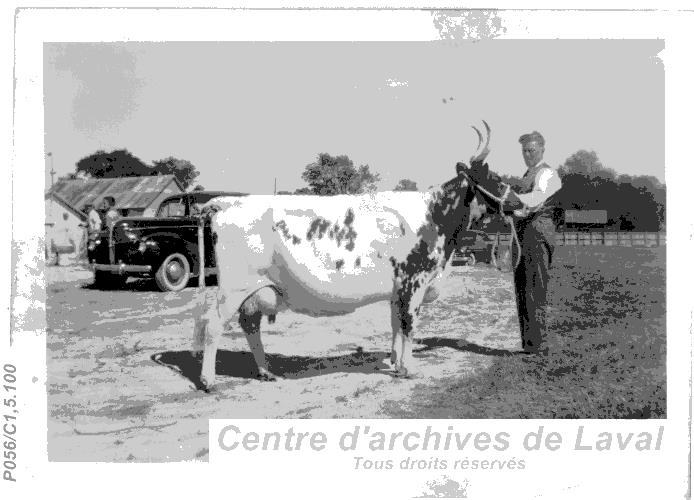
(121, 379)
(121, 376)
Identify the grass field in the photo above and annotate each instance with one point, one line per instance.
(121, 378)
(606, 339)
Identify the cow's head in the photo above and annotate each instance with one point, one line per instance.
(456, 205)
(476, 203)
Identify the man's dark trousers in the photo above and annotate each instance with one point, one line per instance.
(536, 236)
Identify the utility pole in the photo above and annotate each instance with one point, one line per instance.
(52, 172)
(275, 191)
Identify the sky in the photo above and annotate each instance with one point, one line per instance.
(245, 113)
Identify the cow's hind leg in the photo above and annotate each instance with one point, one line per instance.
(263, 301)
(210, 322)
(208, 330)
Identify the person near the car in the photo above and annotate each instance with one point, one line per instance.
(93, 221)
(112, 214)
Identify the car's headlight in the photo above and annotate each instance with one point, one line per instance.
(144, 245)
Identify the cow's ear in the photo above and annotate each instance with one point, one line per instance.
(460, 168)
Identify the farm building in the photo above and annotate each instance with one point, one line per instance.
(66, 200)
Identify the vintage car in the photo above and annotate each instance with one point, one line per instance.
(163, 247)
(475, 246)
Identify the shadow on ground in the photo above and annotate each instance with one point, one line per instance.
(241, 364)
(431, 343)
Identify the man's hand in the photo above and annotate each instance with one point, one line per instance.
(514, 205)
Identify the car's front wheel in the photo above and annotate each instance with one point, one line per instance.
(173, 273)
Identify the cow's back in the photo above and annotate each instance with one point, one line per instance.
(328, 255)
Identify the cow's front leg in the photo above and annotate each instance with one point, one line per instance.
(405, 368)
(396, 342)
(403, 317)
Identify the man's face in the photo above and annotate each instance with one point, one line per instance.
(532, 153)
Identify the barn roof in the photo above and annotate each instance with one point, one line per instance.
(129, 192)
(79, 214)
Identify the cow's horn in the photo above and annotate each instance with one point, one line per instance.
(481, 154)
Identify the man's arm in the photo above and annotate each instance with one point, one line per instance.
(547, 183)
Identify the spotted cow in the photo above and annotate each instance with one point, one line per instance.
(327, 256)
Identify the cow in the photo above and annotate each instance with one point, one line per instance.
(326, 256)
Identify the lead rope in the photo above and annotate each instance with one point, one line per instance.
(508, 218)
(514, 240)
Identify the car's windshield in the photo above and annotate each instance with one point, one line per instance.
(172, 208)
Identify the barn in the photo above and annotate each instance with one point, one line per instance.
(66, 200)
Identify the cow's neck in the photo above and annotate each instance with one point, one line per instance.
(448, 212)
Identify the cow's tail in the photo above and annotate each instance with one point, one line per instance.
(207, 215)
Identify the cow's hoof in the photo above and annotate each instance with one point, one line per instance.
(388, 366)
(266, 376)
(405, 373)
(392, 361)
(206, 384)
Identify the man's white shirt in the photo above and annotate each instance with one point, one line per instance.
(546, 183)
(94, 221)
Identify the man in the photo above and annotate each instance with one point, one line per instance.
(535, 229)
(532, 218)
(92, 227)
(112, 214)
(93, 221)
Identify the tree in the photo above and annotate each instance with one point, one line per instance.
(117, 163)
(631, 202)
(331, 175)
(582, 162)
(184, 171)
(122, 163)
(405, 185)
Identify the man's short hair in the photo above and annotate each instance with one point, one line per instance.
(110, 200)
(533, 136)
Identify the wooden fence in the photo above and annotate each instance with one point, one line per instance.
(623, 239)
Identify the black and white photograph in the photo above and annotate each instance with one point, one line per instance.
(456, 218)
